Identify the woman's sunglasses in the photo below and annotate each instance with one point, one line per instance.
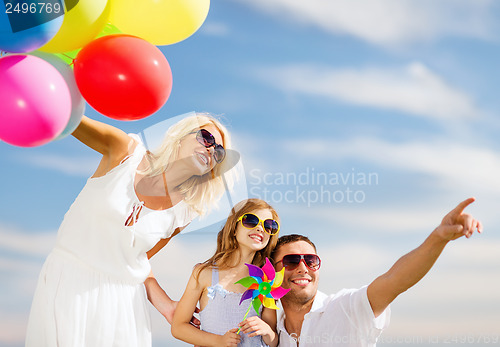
(292, 261)
(250, 221)
(205, 138)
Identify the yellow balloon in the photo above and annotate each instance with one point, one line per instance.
(81, 25)
(68, 57)
(160, 22)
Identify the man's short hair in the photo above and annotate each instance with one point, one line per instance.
(283, 240)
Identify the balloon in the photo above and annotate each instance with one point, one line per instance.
(77, 101)
(68, 57)
(123, 77)
(81, 25)
(35, 103)
(160, 22)
(24, 33)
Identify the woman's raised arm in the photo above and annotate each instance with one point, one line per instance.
(113, 143)
(101, 137)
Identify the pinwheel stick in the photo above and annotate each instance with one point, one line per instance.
(244, 317)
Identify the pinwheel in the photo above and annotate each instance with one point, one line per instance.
(264, 286)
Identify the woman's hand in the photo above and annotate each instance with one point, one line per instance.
(162, 302)
(167, 309)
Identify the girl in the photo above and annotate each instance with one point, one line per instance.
(91, 288)
(249, 236)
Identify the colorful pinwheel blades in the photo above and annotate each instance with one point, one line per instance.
(264, 286)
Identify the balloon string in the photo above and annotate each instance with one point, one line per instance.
(246, 314)
(69, 57)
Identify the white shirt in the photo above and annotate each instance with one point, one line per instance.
(344, 319)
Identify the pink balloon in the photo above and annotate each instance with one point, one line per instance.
(35, 102)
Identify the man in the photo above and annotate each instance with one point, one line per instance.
(352, 318)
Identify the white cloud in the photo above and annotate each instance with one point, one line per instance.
(454, 164)
(460, 295)
(215, 29)
(13, 329)
(36, 244)
(448, 172)
(21, 256)
(74, 166)
(387, 22)
(382, 220)
(413, 89)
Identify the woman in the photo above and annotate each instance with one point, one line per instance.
(91, 288)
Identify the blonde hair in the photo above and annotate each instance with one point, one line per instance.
(227, 245)
(200, 192)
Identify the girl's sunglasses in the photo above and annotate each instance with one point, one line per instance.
(250, 221)
(205, 138)
(292, 261)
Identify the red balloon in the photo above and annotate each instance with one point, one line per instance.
(123, 77)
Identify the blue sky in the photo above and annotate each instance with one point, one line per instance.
(402, 90)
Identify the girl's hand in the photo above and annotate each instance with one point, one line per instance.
(229, 339)
(255, 326)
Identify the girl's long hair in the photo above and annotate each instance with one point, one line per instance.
(227, 245)
(200, 192)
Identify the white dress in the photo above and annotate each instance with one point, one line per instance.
(90, 291)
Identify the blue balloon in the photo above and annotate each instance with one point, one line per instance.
(28, 26)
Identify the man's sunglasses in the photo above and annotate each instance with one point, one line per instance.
(292, 261)
(250, 221)
(205, 138)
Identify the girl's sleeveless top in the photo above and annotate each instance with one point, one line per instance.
(224, 312)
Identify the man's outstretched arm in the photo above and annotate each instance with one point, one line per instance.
(412, 267)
